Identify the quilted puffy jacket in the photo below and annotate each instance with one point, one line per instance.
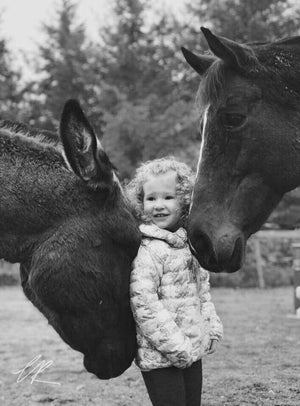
(170, 301)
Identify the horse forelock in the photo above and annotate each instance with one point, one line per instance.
(289, 41)
(210, 86)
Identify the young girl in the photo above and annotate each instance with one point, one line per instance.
(176, 321)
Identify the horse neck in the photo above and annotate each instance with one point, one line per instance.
(280, 81)
(295, 163)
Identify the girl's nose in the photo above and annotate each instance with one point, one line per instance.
(159, 204)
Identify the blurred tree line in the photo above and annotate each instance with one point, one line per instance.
(133, 82)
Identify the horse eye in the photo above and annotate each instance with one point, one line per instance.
(232, 120)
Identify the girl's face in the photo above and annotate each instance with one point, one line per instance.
(161, 203)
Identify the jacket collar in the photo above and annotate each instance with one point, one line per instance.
(177, 239)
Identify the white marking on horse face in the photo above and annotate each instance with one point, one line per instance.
(205, 114)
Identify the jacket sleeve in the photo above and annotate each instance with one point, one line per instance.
(156, 323)
(208, 309)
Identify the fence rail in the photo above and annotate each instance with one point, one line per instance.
(294, 235)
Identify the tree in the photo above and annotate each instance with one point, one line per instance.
(124, 46)
(136, 54)
(68, 70)
(246, 21)
(140, 58)
(10, 88)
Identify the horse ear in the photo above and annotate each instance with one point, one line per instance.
(199, 63)
(238, 56)
(82, 148)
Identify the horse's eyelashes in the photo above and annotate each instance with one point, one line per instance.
(201, 126)
(232, 121)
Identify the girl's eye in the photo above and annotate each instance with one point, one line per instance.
(169, 197)
(232, 121)
(150, 199)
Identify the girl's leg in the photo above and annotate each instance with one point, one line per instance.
(165, 386)
(193, 384)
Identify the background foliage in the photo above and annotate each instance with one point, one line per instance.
(133, 82)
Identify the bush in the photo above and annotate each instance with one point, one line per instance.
(9, 273)
(276, 257)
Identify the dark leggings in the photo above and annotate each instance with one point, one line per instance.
(175, 387)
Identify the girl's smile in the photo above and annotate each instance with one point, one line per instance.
(161, 203)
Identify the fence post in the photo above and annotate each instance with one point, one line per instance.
(296, 268)
(259, 268)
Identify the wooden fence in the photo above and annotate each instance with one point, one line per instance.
(293, 235)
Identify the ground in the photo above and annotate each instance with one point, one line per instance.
(258, 363)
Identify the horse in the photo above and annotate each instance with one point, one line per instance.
(65, 219)
(249, 105)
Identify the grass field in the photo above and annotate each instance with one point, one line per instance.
(258, 363)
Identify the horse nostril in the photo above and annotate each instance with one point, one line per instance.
(237, 257)
(224, 254)
(199, 241)
(230, 252)
(202, 247)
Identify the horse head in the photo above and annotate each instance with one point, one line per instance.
(64, 217)
(249, 106)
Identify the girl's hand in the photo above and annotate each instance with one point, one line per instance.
(212, 346)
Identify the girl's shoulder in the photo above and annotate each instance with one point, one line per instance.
(158, 248)
(149, 261)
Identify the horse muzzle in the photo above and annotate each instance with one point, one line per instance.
(110, 359)
(224, 252)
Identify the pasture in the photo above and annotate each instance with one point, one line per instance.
(258, 363)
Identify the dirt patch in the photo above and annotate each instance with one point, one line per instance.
(258, 362)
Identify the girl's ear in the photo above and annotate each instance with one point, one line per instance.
(82, 148)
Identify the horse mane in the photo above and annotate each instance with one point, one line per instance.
(43, 136)
(279, 78)
(288, 41)
(277, 74)
(33, 140)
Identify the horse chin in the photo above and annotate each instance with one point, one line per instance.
(221, 256)
(213, 266)
(110, 361)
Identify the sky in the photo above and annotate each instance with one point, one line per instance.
(21, 19)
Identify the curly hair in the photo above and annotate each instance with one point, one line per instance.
(184, 186)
